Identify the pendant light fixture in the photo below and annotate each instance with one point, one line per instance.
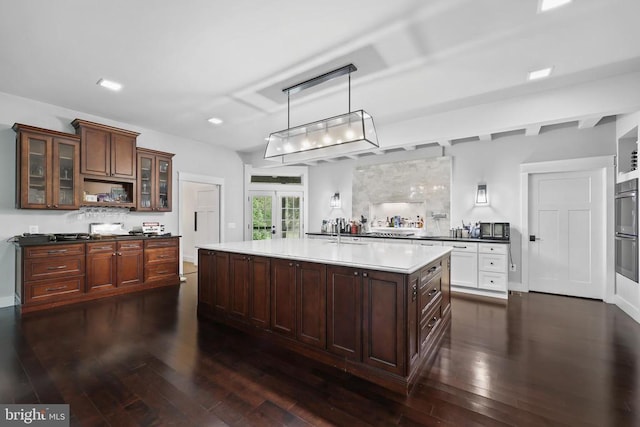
(331, 137)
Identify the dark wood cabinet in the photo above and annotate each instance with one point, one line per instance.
(130, 263)
(113, 265)
(47, 169)
(161, 263)
(154, 180)
(106, 151)
(101, 266)
(445, 284)
(382, 320)
(283, 297)
(298, 301)
(57, 274)
(250, 279)
(378, 325)
(213, 282)
(344, 308)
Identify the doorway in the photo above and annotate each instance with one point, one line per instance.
(566, 218)
(201, 215)
(275, 214)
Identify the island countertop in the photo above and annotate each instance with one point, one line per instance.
(371, 255)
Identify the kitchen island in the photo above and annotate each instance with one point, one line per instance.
(373, 310)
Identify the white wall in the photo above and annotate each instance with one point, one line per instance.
(191, 156)
(496, 162)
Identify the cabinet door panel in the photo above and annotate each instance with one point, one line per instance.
(283, 297)
(35, 180)
(206, 273)
(96, 152)
(66, 174)
(163, 184)
(123, 156)
(101, 271)
(344, 308)
(259, 291)
(130, 268)
(311, 303)
(464, 269)
(413, 322)
(383, 314)
(239, 290)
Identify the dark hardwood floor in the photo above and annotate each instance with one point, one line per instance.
(146, 360)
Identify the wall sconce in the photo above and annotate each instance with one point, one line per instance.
(335, 201)
(482, 196)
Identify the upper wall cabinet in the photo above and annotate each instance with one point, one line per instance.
(47, 169)
(154, 180)
(107, 152)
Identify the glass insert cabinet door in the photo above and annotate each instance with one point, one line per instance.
(147, 172)
(65, 189)
(164, 178)
(37, 149)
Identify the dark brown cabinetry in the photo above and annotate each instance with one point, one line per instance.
(154, 180)
(106, 151)
(213, 282)
(59, 274)
(47, 169)
(113, 265)
(161, 265)
(298, 300)
(379, 325)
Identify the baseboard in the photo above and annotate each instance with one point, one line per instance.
(8, 301)
(188, 258)
(628, 308)
(518, 287)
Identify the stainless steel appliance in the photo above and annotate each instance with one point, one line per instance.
(495, 230)
(626, 211)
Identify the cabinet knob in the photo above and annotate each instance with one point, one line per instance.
(297, 265)
(365, 275)
(48, 206)
(355, 273)
(55, 206)
(119, 253)
(491, 263)
(290, 264)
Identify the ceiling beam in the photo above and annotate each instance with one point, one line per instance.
(353, 156)
(589, 122)
(485, 137)
(409, 147)
(379, 152)
(445, 143)
(532, 130)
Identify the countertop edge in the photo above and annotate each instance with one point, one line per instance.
(417, 237)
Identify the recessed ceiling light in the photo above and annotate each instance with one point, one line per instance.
(115, 86)
(546, 5)
(539, 74)
(215, 121)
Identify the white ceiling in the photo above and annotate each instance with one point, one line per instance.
(183, 62)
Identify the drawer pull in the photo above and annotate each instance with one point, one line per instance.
(57, 251)
(432, 292)
(424, 310)
(59, 288)
(431, 324)
(433, 269)
(102, 248)
(130, 246)
(491, 281)
(60, 267)
(459, 247)
(165, 256)
(163, 271)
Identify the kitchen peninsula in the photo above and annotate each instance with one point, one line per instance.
(373, 310)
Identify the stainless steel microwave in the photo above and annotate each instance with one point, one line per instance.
(495, 230)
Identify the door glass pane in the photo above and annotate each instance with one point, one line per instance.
(65, 165)
(290, 213)
(145, 181)
(37, 170)
(163, 184)
(261, 217)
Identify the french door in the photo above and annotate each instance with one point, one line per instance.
(274, 215)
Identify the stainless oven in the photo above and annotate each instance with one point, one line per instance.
(626, 211)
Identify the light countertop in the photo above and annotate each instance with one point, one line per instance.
(371, 255)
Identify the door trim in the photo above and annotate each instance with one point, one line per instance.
(204, 179)
(604, 163)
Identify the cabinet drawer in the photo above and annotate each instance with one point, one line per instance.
(495, 263)
(93, 248)
(38, 269)
(428, 298)
(493, 281)
(462, 246)
(130, 245)
(427, 243)
(160, 243)
(164, 271)
(52, 289)
(429, 272)
(53, 251)
(161, 255)
(492, 248)
(429, 324)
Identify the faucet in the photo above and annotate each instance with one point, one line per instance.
(339, 226)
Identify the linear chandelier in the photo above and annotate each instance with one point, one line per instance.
(330, 137)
